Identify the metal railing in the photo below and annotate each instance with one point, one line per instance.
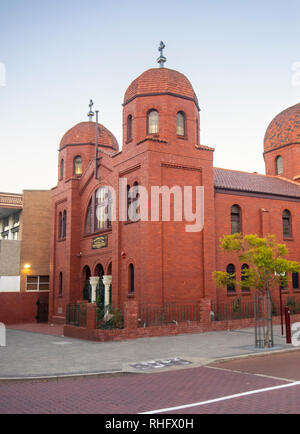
(168, 313)
(76, 315)
(236, 309)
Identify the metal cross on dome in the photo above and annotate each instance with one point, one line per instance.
(161, 60)
(91, 113)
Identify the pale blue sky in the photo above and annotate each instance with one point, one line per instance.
(238, 56)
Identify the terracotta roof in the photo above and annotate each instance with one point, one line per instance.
(255, 183)
(85, 132)
(284, 129)
(160, 81)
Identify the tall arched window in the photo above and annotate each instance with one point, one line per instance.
(60, 226)
(279, 165)
(286, 224)
(181, 124)
(61, 172)
(89, 219)
(245, 268)
(197, 132)
(64, 225)
(103, 208)
(60, 291)
(236, 221)
(231, 270)
(131, 279)
(129, 127)
(99, 211)
(77, 166)
(153, 122)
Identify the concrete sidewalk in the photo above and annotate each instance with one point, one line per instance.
(31, 355)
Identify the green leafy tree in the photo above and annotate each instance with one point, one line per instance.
(266, 260)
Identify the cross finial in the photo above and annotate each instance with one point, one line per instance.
(161, 60)
(91, 113)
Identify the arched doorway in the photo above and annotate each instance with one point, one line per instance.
(87, 289)
(99, 272)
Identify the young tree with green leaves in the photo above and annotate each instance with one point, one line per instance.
(266, 261)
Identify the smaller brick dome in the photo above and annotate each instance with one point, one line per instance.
(85, 132)
(160, 81)
(284, 129)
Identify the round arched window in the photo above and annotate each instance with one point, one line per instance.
(180, 124)
(279, 165)
(153, 122)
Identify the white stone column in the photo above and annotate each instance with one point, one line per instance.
(107, 282)
(94, 282)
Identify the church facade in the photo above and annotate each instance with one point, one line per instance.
(99, 229)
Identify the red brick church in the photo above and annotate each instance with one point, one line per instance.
(157, 261)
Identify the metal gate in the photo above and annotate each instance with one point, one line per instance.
(42, 311)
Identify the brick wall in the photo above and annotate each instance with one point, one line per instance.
(19, 307)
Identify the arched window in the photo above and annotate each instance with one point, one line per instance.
(64, 225)
(89, 218)
(103, 208)
(279, 165)
(236, 221)
(99, 211)
(197, 132)
(245, 268)
(131, 279)
(153, 122)
(129, 127)
(60, 291)
(231, 270)
(181, 124)
(60, 226)
(77, 166)
(61, 173)
(286, 224)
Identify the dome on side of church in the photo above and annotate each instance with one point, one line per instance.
(284, 129)
(85, 132)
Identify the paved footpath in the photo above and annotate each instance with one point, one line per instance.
(30, 354)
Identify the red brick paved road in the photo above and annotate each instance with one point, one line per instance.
(132, 394)
(127, 394)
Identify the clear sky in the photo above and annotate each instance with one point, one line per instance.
(57, 54)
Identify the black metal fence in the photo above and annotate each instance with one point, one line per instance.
(236, 309)
(291, 301)
(168, 313)
(76, 315)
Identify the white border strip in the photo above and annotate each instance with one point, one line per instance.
(223, 398)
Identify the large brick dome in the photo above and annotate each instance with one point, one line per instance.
(161, 81)
(284, 129)
(85, 132)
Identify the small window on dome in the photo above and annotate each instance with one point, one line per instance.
(129, 127)
(152, 120)
(61, 175)
(77, 168)
(279, 165)
(181, 124)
